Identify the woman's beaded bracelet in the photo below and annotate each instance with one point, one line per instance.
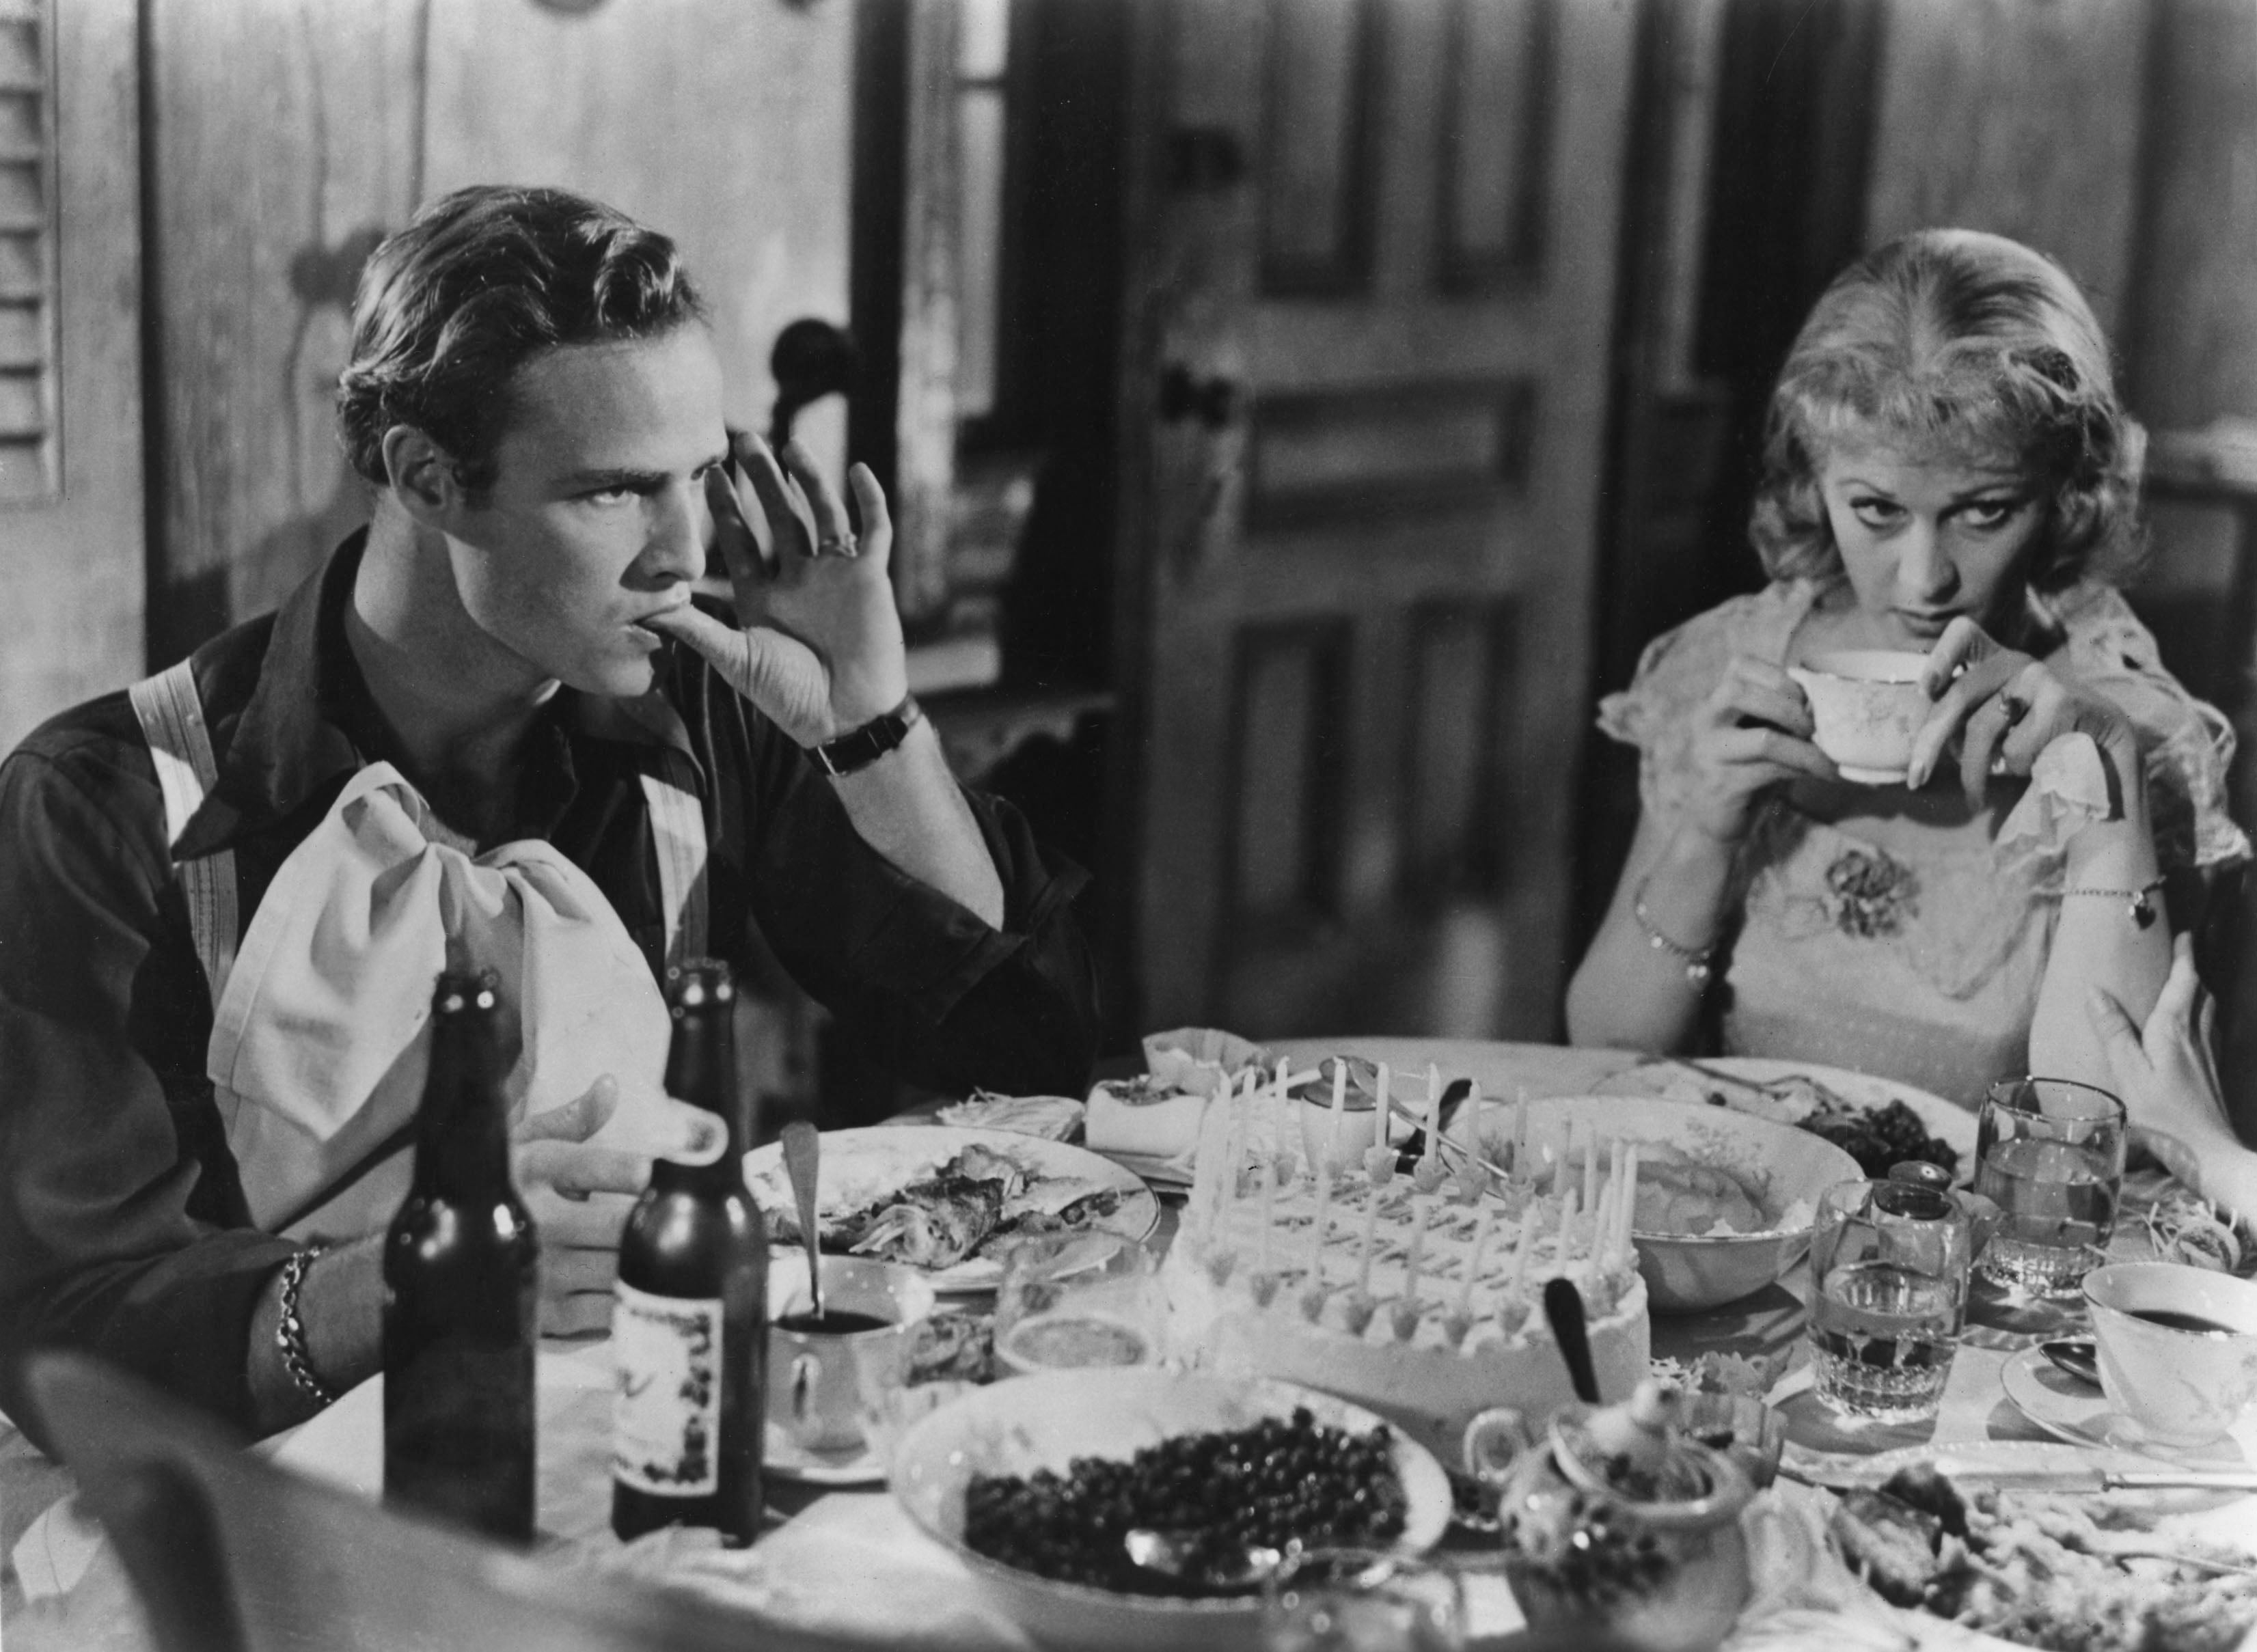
(2137, 901)
(290, 1330)
(1700, 961)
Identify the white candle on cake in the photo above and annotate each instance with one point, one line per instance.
(1590, 1165)
(1317, 1227)
(1627, 1227)
(1406, 1311)
(1338, 1151)
(1264, 1283)
(1461, 1317)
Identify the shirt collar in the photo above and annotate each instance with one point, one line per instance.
(310, 719)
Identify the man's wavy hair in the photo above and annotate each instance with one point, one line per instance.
(447, 310)
(1968, 346)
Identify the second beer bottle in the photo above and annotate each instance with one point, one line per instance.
(462, 1289)
(689, 1330)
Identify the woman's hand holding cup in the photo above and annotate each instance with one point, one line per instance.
(1752, 733)
(2005, 707)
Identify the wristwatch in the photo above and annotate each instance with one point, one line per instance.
(859, 748)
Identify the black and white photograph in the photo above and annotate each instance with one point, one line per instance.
(1097, 825)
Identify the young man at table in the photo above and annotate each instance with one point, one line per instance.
(506, 656)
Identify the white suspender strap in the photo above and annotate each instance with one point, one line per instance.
(173, 722)
(677, 831)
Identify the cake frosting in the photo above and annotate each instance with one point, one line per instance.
(1417, 1293)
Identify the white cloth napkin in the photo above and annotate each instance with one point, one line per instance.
(1155, 1122)
(322, 1041)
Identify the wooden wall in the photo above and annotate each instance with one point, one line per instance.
(71, 536)
(2192, 336)
(2021, 116)
(288, 134)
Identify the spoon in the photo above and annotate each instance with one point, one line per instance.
(1415, 1148)
(1563, 1307)
(1168, 1555)
(800, 1150)
(2075, 1356)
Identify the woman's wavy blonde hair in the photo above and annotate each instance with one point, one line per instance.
(1958, 342)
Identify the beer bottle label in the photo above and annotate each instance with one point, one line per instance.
(666, 1412)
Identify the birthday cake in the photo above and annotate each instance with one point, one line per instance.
(1417, 1293)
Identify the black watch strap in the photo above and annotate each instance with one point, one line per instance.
(859, 748)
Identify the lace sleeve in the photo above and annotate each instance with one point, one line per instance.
(1677, 671)
(2187, 744)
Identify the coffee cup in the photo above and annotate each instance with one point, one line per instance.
(1868, 705)
(2177, 1348)
(830, 1381)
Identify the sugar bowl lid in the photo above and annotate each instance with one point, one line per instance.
(1635, 1456)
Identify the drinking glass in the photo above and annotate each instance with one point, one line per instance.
(1077, 1300)
(2050, 1153)
(1362, 1600)
(1889, 1260)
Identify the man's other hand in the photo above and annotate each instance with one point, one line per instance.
(580, 1192)
(820, 648)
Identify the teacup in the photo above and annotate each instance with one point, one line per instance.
(1868, 705)
(2185, 1380)
(827, 1389)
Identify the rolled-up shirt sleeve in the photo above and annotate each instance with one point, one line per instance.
(115, 1236)
(924, 986)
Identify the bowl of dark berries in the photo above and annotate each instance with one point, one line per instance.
(1037, 1483)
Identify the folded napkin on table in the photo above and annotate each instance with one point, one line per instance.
(1153, 1122)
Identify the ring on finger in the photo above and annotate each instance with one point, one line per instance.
(840, 544)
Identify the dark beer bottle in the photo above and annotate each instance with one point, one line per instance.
(462, 1290)
(689, 1329)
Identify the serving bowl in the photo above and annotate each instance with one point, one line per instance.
(1047, 1420)
(1782, 1168)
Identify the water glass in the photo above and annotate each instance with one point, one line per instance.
(1362, 1600)
(1889, 1261)
(1077, 1300)
(2050, 1152)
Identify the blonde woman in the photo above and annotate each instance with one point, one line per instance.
(1946, 470)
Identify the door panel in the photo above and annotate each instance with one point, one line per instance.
(1371, 544)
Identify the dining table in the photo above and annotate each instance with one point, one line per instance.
(847, 1561)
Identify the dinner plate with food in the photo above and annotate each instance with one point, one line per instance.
(946, 1199)
(1876, 1121)
(2004, 1543)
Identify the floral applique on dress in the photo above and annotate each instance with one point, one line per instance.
(1874, 894)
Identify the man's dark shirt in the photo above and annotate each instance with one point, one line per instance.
(123, 1226)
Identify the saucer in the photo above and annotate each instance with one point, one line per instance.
(787, 1459)
(2080, 1414)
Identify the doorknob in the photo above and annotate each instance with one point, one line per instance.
(1185, 395)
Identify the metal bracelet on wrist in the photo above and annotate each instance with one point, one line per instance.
(2139, 903)
(290, 1330)
(1700, 961)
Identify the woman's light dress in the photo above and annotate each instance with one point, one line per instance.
(1921, 967)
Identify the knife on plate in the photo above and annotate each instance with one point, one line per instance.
(1837, 1475)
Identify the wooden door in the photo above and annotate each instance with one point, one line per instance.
(1369, 354)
